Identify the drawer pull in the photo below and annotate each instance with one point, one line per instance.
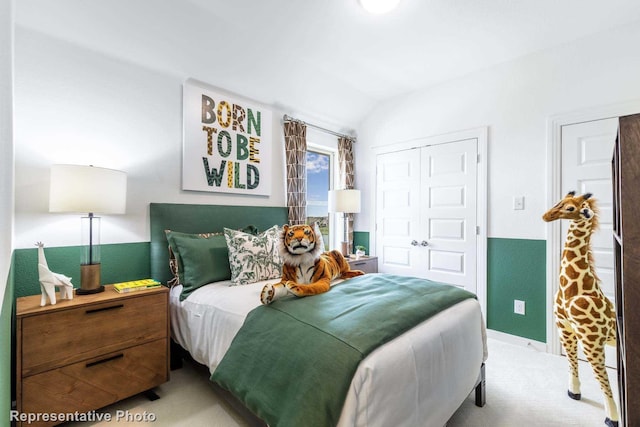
(108, 359)
(96, 310)
(355, 264)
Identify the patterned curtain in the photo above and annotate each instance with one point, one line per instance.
(346, 165)
(295, 145)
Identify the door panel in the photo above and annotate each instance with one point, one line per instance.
(397, 257)
(450, 228)
(446, 197)
(446, 262)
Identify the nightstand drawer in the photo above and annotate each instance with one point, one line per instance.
(97, 382)
(62, 337)
(368, 264)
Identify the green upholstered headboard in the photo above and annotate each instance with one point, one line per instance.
(187, 218)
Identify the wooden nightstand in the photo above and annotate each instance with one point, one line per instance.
(92, 351)
(367, 264)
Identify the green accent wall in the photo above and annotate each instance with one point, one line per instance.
(361, 238)
(516, 269)
(120, 263)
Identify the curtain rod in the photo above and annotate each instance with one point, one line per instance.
(288, 118)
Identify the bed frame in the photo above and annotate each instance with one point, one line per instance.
(189, 218)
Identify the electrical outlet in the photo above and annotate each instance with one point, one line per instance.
(518, 203)
(518, 306)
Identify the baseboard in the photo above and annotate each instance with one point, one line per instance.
(516, 340)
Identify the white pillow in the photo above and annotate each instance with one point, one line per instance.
(253, 258)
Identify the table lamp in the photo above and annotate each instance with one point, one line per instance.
(80, 189)
(345, 202)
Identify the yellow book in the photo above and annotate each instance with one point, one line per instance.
(136, 285)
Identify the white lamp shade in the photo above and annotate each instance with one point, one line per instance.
(87, 189)
(345, 201)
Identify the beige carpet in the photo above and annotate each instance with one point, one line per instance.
(524, 388)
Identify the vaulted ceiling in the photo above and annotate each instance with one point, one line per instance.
(327, 59)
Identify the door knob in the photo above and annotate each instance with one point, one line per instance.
(424, 243)
(414, 243)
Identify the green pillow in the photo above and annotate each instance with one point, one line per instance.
(175, 263)
(200, 260)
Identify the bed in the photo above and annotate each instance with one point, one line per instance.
(419, 377)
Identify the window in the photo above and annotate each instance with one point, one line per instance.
(319, 182)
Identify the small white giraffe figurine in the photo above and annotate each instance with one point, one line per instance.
(583, 313)
(49, 280)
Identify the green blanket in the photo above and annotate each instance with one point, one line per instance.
(292, 362)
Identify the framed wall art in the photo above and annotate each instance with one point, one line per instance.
(226, 143)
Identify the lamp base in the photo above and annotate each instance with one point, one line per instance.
(81, 291)
(345, 249)
(89, 280)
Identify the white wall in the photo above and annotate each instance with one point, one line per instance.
(6, 140)
(74, 105)
(515, 100)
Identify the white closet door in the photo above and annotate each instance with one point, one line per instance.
(426, 212)
(398, 212)
(448, 195)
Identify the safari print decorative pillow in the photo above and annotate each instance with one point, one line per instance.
(253, 258)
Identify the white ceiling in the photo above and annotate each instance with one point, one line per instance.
(326, 59)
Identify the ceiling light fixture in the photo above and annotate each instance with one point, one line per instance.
(379, 6)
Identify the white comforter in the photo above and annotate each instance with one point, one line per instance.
(418, 379)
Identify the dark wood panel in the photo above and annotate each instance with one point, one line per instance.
(626, 180)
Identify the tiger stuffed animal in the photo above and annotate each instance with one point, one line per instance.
(307, 269)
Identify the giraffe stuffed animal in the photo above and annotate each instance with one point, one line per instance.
(49, 280)
(583, 313)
